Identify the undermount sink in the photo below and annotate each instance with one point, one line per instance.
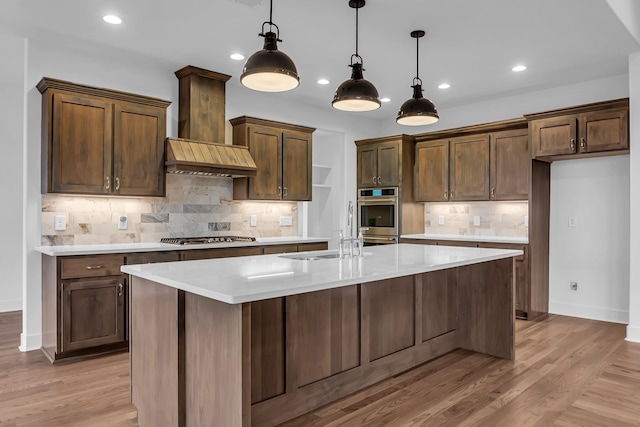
(314, 257)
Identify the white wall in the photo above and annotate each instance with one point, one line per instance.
(97, 66)
(594, 253)
(633, 330)
(11, 173)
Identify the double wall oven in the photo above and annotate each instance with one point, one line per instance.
(378, 214)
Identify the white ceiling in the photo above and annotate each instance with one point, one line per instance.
(471, 44)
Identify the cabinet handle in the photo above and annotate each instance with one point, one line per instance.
(120, 289)
(493, 192)
(279, 190)
(108, 183)
(117, 184)
(374, 179)
(573, 144)
(445, 195)
(583, 143)
(451, 194)
(378, 180)
(93, 267)
(285, 192)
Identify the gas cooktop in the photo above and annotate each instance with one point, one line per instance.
(205, 240)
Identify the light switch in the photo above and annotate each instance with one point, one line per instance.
(253, 220)
(476, 221)
(60, 223)
(440, 219)
(573, 221)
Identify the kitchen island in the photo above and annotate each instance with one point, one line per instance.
(255, 341)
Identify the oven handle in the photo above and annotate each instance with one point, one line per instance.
(381, 239)
(378, 201)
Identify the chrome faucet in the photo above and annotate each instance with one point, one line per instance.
(350, 219)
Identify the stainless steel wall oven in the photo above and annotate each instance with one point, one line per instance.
(378, 213)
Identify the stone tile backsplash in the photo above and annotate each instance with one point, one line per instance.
(505, 219)
(193, 206)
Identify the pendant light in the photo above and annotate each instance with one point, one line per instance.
(270, 70)
(356, 94)
(418, 110)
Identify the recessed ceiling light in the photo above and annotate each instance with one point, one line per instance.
(519, 68)
(237, 56)
(112, 19)
(444, 86)
(385, 99)
(323, 82)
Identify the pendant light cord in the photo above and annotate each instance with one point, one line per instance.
(417, 57)
(356, 32)
(270, 14)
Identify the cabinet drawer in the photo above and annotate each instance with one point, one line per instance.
(91, 266)
(152, 257)
(280, 249)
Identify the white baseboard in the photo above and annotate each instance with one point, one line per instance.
(30, 342)
(633, 333)
(10, 305)
(589, 312)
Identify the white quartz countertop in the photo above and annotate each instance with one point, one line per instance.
(68, 250)
(468, 238)
(254, 278)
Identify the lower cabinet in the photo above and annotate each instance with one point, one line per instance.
(84, 300)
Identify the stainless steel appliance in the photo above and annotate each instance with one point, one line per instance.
(378, 215)
(205, 240)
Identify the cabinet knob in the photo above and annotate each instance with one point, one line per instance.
(493, 192)
(378, 180)
(120, 289)
(583, 143)
(445, 195)
(117, 184)
(107, 184)
(573, 144)
(451, 194)
(374, 179)
(285, 191)
(279, 190)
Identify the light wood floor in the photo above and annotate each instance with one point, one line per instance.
(568, 372)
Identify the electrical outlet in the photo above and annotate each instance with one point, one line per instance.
(573, 221)
(253, 220)
(60, 223)
(440, 219)
(123, 223)
(526, 221)
(286, 221)
(573, 286)
(476, 221)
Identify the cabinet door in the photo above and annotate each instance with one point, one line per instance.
(469, 168)
(510, 165)
(265, 146)
(388, 164)
(81, 145)
(604, 131)
(555, 136)
(138, 150)
(432, 171)
(367, 166)
(296, 166)
(93, 312)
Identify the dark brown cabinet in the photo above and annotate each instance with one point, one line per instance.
(84, 300)
(509, 164)
(453, 170)
(588, 130)
(283, 155)
(379, 165)
(99, 141)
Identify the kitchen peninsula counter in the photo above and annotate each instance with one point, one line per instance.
(255, 341)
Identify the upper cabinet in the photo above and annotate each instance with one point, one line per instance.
(509, 165)
(474, 165)
(282, 153)
(100, 141)
(383, 162)
(584, 131)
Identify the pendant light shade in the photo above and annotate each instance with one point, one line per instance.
(356, 94)
(270, 70)
(418, 110)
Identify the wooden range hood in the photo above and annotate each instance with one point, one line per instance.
(199, 148)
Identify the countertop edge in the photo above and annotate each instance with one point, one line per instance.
(468, 238)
